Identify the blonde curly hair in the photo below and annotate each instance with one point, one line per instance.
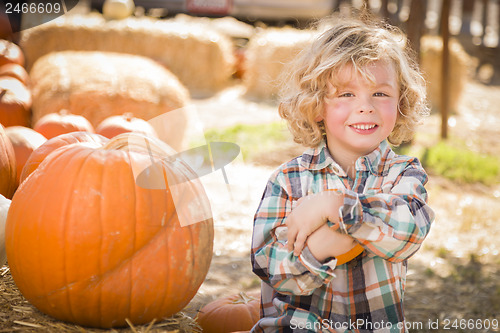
(358, 42)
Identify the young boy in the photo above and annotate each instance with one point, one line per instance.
(353, 91)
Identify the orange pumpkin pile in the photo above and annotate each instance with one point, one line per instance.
(94, 248)
(15, 94)
(87, 240)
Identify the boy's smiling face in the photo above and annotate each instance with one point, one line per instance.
(360, 113)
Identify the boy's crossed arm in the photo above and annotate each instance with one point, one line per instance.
(307, 225)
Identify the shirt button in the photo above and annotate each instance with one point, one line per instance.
(336, 169)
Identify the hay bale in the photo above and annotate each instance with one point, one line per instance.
(226, 25)
(460, 64)
(97, 85)
(200, 56)
(265, 56)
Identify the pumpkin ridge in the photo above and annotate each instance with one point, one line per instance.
(69, 198)
(174, 215)
(101, 246)
(135, 239)
(40, 226)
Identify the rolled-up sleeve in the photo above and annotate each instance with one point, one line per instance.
(271, 260)
(390, 222)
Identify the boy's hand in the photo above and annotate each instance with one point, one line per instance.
(311, 213)
(325, 242)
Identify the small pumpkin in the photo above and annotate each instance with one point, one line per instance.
(37, 156)
(112, 250)
(15, 71)
(15, 103)
(62, 122)
(10, 53)
(238, 312)
(24, 141)
(4, 209)
(7, 165)
(114, 125)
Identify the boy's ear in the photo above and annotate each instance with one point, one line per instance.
(318, 118)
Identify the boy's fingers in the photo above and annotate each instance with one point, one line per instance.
(290, 240)
(298, 245)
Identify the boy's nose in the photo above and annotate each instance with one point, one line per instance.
(365, 105)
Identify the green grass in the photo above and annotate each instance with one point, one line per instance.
(450, 160)
(460, 164)
(252, 139)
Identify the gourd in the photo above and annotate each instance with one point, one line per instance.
(114, 125)
(39, 154)
(238, 312)
(4, 209)
(95, 248)
(7, 165)
(62, 122)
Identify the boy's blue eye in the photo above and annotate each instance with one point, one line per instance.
(380, 94)
(346, 95)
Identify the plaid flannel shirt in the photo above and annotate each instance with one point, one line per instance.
(384, 209)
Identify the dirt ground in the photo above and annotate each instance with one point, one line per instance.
(454, 277)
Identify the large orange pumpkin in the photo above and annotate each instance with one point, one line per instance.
(25, 141)
(15, 103)
(114, 125)
(94, 248)
(238, 312)
(8, 180)
(37, 156)
(62, 122)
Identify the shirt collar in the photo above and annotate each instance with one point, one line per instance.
(320, 158)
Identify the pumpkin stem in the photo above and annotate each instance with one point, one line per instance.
(244, 298)
(128, 116)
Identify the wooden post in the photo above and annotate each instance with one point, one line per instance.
(384, 12)
(415, 25)
(445, 68)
